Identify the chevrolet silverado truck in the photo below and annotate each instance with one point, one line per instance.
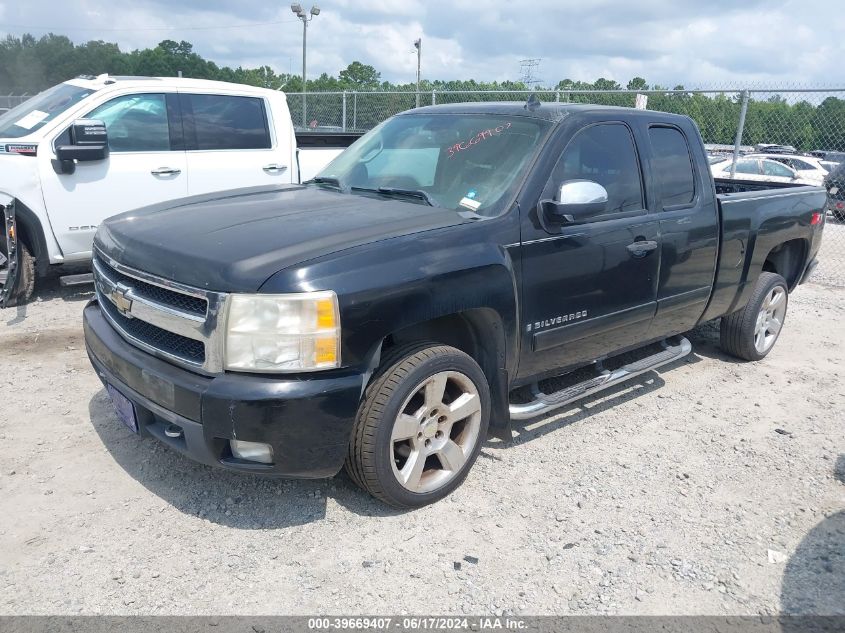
(96, 146)
(457, 268)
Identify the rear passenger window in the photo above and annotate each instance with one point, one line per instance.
(772, 168)
(673, 166)
(605, 154)
(225, 122)
(748, 166)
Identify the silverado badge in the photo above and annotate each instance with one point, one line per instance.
(556, 320)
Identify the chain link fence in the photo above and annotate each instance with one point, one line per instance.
(7, 102)
(809, 123)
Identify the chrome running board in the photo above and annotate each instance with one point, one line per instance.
(545, 402)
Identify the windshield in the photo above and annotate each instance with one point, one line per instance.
(43, 107)
(457, 161)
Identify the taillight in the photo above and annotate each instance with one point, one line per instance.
(816, 218)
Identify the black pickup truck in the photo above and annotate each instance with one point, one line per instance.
(458, 267)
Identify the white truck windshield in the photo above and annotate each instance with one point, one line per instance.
(43, 107)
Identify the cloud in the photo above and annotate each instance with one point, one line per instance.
(697, 44)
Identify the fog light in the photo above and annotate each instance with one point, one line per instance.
(252, 451)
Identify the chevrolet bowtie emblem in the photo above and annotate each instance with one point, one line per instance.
(118, 297)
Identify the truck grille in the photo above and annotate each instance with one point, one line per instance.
(175, 322)
(176, 300)
(167, 342)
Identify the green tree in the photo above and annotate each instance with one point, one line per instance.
(358, 76)
(637, 83)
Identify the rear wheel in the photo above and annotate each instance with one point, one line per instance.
(420, 426)
(752, 332)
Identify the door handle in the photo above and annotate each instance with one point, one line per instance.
(641, 248)
(274, 168)
(166, 171)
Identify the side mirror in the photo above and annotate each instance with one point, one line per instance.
(89, 142)
(577, 201)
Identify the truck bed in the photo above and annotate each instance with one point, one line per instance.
(317, 149)
(755, 218)
(736, 185)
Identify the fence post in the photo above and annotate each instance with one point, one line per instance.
(344, 110)
(355, 110)
(557, 96)
(742, 111)
(433, 98)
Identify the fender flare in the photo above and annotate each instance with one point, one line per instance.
(32, 234)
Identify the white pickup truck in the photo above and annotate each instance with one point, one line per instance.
(61, 173)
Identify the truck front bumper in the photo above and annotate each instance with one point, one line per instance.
(306, 420)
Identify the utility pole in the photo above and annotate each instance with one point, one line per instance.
(306, 18)
(418, 46)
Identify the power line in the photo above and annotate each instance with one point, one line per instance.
(144, 28)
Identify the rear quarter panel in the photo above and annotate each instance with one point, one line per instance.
(753, 224)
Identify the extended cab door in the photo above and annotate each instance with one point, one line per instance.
(590, 288)
(146, 165)
(683, 197)
(232, 143)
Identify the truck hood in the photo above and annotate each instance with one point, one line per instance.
(234, 241)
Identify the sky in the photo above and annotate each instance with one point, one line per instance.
(715, 43)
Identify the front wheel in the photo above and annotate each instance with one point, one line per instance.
(751, 333)
(16, 285)
(420, 426)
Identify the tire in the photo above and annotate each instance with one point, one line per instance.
(420, 426)
(24, 283)
(751, 333)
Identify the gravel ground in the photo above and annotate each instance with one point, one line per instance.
(711, 487)
(831, 269)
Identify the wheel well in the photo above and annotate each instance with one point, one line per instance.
(479, 334)
(785, 260)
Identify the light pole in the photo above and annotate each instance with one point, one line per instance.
(306, 18)
(418, 46)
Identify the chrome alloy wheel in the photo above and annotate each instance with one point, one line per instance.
(435, 432)
(770, 319)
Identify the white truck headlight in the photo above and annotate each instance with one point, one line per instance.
(283, 333)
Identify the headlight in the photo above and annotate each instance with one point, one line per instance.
(283, 333)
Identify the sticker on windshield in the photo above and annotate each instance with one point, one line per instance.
(32, 119)
(469, 203)
(483, 135)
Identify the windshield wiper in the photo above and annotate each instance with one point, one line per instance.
(409, 193)
(404, 193)
(326, 180)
